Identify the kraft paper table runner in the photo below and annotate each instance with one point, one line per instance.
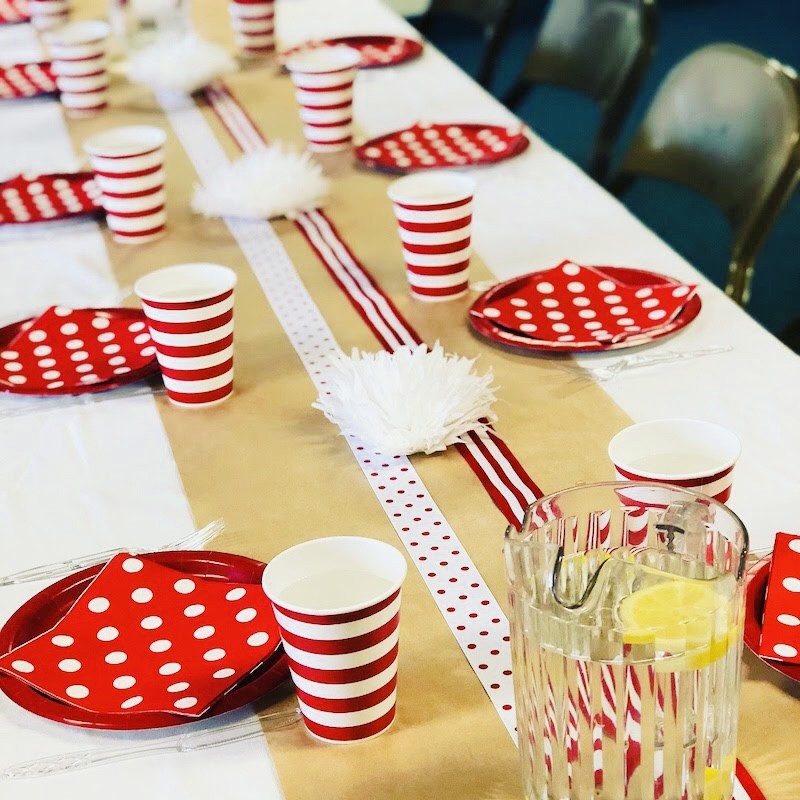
(279, 474)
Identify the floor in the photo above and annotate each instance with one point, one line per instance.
(692, 225)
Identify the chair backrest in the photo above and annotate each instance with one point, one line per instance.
(591, 46)
(494, 16)
(726, 123)
(488, 13)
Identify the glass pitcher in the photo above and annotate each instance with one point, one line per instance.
(626, 633)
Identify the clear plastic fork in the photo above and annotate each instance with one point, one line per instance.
(191, 541)
(191, 742)
(607, 372)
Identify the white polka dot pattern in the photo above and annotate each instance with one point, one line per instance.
(111, 654)
(465, 601)
(582, 306)
(376, 51)
(76, 358)
(780, 632)
(43, 198)
(26, 80)
(428, 146)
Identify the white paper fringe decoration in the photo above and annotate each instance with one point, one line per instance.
(414, 400)
(274, 182)
(183, 63)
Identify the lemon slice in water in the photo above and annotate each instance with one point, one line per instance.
(686, 617)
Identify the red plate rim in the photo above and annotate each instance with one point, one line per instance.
(372, 163)
(413, 47)
(37, 616)
(8, 332)
(497, 334)
(755, 594)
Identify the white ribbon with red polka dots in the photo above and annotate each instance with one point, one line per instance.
(472, 613)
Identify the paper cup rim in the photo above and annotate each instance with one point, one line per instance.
(730, 441)
(223, 277)
(292, 552)
(83, 32)
(125, 141)
(340, 57)
(419, 189)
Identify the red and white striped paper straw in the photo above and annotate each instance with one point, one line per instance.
(253, 23)
(128, 163)
(189, 310)
(80, 66)
(337, 602)
(48, 14)
(689, 453)
(434, 217)
(323, 80)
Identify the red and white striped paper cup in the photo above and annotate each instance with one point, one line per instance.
(48, 14)
(434, 216)
(689, 453)
(323, 80)
(189, 310)
(337, 602)
(80, 65)
(253, 23)
(128, 163)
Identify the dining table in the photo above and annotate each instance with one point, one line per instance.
(128, 469)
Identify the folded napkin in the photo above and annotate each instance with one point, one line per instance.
(66, 348)
(12, 11)
(144, 637)
(780, 632)
(44, 198)
(575, 304)
(429, 146)
(26, 80)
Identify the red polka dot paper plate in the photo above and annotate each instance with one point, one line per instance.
(45, 198)
(755, 597)
(66, 351)
(13, 11)
(167, 628)
(376, 51)
(570, 308)
(434, 146)
(26, 80)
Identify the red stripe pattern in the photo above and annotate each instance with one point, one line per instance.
(47, 14)
(253, 24)
(323, 82)
(436, 246)
(80, 66)
(132, 186)
(344, 668)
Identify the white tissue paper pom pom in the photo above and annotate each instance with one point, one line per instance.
(183, 63)
(268, 183)
(413, 400)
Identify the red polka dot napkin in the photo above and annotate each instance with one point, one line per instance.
(575, 304)
(427, 146)
(376, 51)
(144, 637)
(43, 198)
(780, 633)
(66, 348)
(13, 11)
(26, 80)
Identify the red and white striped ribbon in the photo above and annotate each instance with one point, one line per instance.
(508, 484)
(506, 481)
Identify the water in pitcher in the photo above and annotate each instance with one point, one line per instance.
(626, 667)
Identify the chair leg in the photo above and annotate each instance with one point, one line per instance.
(620, 183)
(740, 280)
(517, 93)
